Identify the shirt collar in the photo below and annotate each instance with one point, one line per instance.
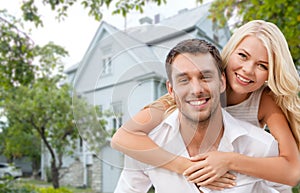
(232, 129)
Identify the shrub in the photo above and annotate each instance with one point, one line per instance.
(52, 190)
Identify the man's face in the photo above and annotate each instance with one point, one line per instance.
(196, 86)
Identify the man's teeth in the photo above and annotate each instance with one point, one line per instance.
(197, 102)
(243, 79)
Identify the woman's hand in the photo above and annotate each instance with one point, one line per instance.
(225, 181)
(211, 170)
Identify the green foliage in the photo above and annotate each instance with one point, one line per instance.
(16, 53)
(284, 13)
(61, 7)
(52, 190)
(90, 122)
(21, 61)
(296, 189)
(19, 144)
(10, 186)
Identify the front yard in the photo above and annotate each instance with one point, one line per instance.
(27, 185)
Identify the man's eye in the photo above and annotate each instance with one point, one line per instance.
(183, 80)
(207, 77)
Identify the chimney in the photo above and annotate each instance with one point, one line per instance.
(145, 20)
(182, 10)
(156, 18)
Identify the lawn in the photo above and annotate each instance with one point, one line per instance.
(40, 183)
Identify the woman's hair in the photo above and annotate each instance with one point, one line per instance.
(283, 78)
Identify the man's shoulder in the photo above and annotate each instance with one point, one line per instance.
(246, 128)
(249, 139)
(171, 120)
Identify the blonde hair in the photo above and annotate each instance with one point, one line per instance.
(165, 103)
(283, 78)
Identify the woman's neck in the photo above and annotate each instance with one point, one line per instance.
(234, 98)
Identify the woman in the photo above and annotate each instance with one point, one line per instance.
(259, 67)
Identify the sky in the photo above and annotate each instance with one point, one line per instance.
(76, 32)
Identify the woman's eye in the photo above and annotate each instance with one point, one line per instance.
(262, 67)
(242, 55)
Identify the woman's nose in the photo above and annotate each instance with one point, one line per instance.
(248, 67)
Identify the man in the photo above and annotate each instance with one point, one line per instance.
(196, 80)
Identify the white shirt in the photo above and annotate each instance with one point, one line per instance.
(239, 136)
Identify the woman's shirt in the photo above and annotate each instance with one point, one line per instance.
(248, 109)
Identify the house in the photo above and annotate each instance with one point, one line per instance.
(123, 70)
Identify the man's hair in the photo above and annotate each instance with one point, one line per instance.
(193, 46)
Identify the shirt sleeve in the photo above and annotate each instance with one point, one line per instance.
(133, 179)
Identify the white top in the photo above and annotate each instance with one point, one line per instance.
(248, 109)
(239, 136)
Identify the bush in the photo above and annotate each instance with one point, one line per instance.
(7, 186)
(52, 190)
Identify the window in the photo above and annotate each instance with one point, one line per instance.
(117, 122)
(117, 114)
(107, 65)
(100, 108)
(106, 59)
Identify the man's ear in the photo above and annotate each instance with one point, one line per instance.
(223, 83)
(169, 88)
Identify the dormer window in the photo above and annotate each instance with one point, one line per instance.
(107, 65)
(106, 60)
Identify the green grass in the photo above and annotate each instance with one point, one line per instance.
(40, 183)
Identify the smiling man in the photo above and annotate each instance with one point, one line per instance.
(196, 81)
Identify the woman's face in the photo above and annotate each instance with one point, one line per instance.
(247, 68)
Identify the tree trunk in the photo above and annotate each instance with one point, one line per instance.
(36, 165)
(55, 175)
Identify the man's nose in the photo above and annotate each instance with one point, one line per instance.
(197, 87)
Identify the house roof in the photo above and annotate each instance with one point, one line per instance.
(140, 39)
(184, 21)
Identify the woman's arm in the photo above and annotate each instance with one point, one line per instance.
(132, 139)
(282, 169)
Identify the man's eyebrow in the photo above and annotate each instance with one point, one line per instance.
(180, 74)
(201, 72)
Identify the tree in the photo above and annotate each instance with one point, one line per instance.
(46, 110)
(43, 110)
(16, 53)
(36, 106)
(20, 143)
(31, 11)
(284, 13)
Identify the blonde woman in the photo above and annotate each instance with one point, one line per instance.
(262, 88)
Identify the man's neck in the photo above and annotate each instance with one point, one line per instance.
(200, 137)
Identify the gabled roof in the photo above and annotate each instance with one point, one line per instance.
(138, 41)
(104, 26)
(183, 22)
